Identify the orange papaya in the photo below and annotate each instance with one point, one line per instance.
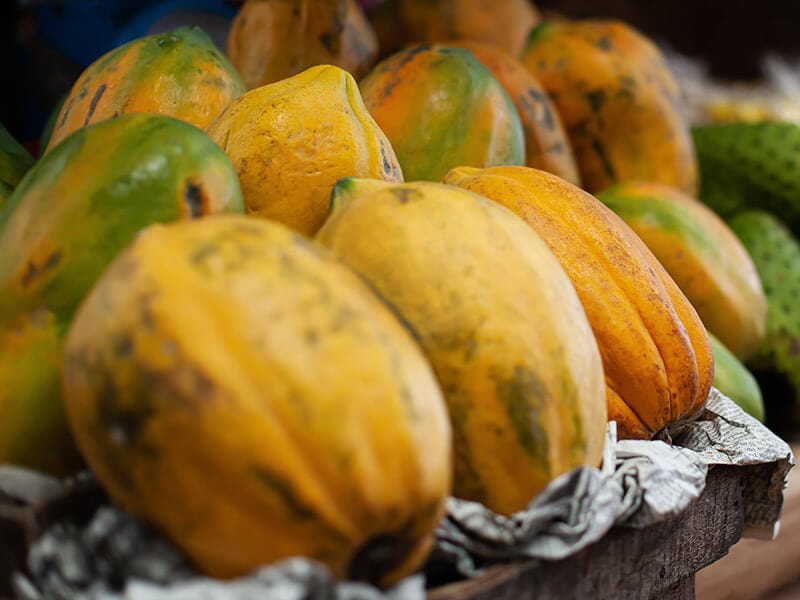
(180, 74)
(618, 100)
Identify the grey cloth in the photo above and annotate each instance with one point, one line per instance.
(640, 483)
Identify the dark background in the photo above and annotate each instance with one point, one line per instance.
(45, 44)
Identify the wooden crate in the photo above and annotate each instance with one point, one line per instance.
(658, 562)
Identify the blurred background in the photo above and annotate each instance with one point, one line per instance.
(45, 44)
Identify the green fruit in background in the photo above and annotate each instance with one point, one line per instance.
(76, 209)
(750, 166)
(14, 163)
(776, 364)
(733, 379)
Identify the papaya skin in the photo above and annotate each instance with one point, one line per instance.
(180, 74)
(503, 24)
(618, 101)
(441, 108)
(512, 349)
(271, 40)
(290, 141)
(546, 144)
(702, 255)
(214, 364)
(80, 205)
(656, 354)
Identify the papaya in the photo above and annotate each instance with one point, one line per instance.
(618, 100)
(546, 144)
(179, 73)
(497, 318)
(657, 358)
(15, 161)
(270, 40)
(441, 108)
(76, 208)
(504, 24)
(234, 367)
(703, 256)
(734, 379)
(290, 141)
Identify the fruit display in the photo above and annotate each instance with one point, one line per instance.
(303, 294)
(499, 321)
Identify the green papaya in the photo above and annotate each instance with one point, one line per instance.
(80, 205)
(750, 166)
(734, 380)
(14, 163)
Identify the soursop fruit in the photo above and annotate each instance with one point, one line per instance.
(776, 365)
(750, 166)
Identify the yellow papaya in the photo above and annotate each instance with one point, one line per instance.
(180, 74)
(618, 100)
(270, 40)
(657, 357)
(499, 322)
(290, 141)
(703, 256)
(236, 369)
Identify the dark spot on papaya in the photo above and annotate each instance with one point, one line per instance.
(284, 491)
(381, 553)
(124, 423)
(404, 195)
(600, 151)
(312, 336)
(604, 43)
(194, 200)
(30, 273)
(409, 54)
(93, 104)
(596, 99)
(82, 93)
(202, 253)
(123, 346)
(522, 394)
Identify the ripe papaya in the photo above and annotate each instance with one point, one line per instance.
(237, 369)
(77, 207)
(657, 357)
(546, 144)
(271, 40)
(498, 320)
(441, 108)
(180, 73)
(290, 141)
(505, 24)
(618, 100)
(703, 256)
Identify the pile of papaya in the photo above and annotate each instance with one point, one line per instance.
(310, 285)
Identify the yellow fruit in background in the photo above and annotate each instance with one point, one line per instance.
(292, 140)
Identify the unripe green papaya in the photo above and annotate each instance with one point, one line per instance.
(74, 211)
